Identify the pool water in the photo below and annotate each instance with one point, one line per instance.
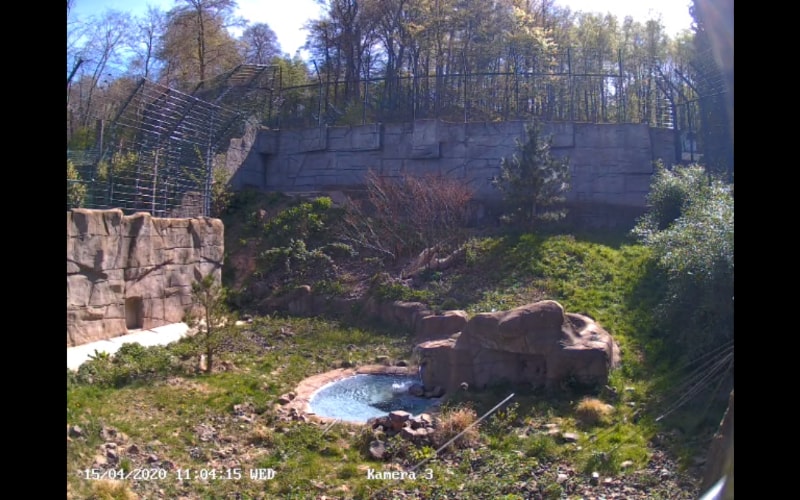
(362, 397)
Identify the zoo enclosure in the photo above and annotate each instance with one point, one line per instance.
(159, 152)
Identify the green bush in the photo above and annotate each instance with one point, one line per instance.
(689, 228)
(131, 362)
(76, 189)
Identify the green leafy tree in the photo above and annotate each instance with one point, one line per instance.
(533, 182)
(196, 44)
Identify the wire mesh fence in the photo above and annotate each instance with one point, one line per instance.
(156, 156)
(159, 152)
(570, 85)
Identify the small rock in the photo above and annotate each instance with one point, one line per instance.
(108, 433)
(284, 399)
(595, 480)
(76, 431)
(152, 458)
(384, 360)
(409, 433)
(626, 464)
(436, 392)
(569, 437)
(133, 449)
(244, 408)
(399, 417)
(112, 454)
(416, 390)
(377, 449)
(561, 478)
(401, 362)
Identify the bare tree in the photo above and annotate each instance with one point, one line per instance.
(402, 216)
(97, 52)
(260, 44)
(150, 29)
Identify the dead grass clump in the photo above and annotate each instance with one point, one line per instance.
(452, 423)
(106, 489)
(592, 411)
(261, 436)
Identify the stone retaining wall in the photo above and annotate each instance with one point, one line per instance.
(611, 164)
(134, 272)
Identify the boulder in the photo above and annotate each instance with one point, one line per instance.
(433, 326)
(536, 344)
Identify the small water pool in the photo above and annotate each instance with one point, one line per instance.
(362, 397)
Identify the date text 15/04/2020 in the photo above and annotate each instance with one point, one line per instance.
(154, 474)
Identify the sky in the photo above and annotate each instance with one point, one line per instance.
(287, 17)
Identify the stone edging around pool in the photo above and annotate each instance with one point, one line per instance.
(307, 387)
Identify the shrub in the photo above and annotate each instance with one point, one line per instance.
(671, 193)
(694, 250)
(403, 216)
(132, 362)
(76, 189)
(221, 191)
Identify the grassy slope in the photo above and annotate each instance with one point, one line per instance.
(170, 417)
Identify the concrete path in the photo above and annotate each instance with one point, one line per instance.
(161, 335)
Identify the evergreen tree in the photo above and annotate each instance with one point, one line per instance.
(533, 182)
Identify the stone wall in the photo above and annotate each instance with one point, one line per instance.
(611, 164)
(132, 272)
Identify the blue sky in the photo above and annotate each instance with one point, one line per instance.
(287, 17)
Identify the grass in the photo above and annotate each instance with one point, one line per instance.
(183, 419)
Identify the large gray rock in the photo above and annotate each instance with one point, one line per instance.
(536, 343)
(136, 271)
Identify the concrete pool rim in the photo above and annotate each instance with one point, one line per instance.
(308, 386)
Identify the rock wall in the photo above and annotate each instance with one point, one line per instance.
(611, 164)
(132, 272)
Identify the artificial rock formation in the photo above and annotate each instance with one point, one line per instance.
(131, 272)
(537, 343)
